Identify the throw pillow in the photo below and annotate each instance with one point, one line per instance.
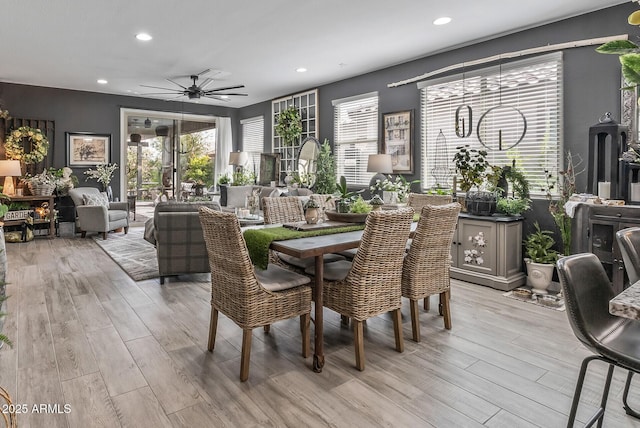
(101, 199)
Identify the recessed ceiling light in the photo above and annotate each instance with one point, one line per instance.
(102, 81)
(301, 70)
(224, 97)
(442, 21)
(143, 37)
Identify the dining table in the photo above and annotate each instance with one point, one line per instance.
(317, 247)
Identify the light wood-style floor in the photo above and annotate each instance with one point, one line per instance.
(131, 354)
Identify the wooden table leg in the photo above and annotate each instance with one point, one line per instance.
(318, 348)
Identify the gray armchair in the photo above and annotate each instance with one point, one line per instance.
(92, 216)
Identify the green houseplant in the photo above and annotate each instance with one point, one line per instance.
(344, 196)
(541, 258)
(325, 171)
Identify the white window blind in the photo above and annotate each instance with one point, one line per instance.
(532, 86)
(356, 136)
(253, 140)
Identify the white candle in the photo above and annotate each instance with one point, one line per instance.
(635, 192)
(604, 189)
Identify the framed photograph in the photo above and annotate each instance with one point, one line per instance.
(397, 140)
(87, 149)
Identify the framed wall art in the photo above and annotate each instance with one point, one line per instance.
(87, 149)
(397, 140)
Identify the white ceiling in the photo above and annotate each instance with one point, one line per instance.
(259, 43)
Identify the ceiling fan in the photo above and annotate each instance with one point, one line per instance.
(196, 91)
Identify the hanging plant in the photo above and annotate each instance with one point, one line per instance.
(289, 125)
(14, 145)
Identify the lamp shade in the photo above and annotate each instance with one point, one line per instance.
(238, 158)
(10, 168)
(380, 163)
(135, 138)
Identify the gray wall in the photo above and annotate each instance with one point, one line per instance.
(78, 111)
(591, 83)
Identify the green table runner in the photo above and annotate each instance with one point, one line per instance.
(259, 240)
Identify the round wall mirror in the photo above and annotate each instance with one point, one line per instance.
(307, 161)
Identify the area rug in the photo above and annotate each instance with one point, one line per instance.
(135, 256)
(550, 301)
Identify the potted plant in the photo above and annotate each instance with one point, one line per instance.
(541, 258)
(289, 125)
(472, 165)
(103, 175)
(325, 171)
(41, 184)
(376, 203)
(344, 196)
(311, 214)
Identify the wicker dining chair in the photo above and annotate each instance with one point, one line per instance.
(250, 298)
(285, 209)
(419, 200)
(425, 270)
(371, 284)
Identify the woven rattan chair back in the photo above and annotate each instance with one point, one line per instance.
(419, 200)
(376, 268)
(425, 269)
(233, 282)
(326, 202)
(286, 209)
(372, 286)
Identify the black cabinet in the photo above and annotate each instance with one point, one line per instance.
(593, 230)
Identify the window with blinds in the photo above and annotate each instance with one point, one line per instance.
(504, 94)
(253, 140)
(355, 136)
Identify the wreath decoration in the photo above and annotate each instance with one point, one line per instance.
(15, 149)
(289, 125)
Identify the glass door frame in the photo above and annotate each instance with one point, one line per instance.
(177, 116)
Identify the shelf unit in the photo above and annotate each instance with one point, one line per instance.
(594, 230)
(34, 202)
(307, 103)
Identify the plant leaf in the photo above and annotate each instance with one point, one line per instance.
(618, 47)
(631, 67)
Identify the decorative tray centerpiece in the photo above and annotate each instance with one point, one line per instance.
(346, 217)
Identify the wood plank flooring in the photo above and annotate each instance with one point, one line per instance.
(122, 353)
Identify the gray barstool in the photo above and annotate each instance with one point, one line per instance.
(612, 339)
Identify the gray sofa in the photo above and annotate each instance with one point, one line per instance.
(176, 232)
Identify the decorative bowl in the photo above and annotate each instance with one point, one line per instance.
(346, 217)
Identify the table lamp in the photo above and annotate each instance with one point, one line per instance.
(380, 164)
(8, 170)
(238, 159)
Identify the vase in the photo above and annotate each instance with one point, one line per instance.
(109, 191)
(311, 215)
(389, 197)
(343, 205)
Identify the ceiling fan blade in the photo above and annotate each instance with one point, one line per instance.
(215, 97)
(158, 87)
(206, 82)
(234, 94)
(203, 72)
(225, 89)
(163, 93)
(183, 87)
